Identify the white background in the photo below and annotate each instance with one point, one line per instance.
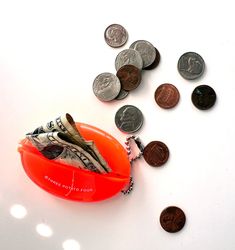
(50, 53)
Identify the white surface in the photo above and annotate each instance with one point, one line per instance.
(50, 52)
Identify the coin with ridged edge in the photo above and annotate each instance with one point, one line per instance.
(115, 35)
(172, 219)
(156, 153)
(122, 94)
(129, 119)
(146, 50)
(191, 65)
(155, 63)
(106, 86)
(128, 56)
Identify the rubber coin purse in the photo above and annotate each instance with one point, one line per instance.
(77, 184)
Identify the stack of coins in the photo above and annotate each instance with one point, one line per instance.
(129, 64)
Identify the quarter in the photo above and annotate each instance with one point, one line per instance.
(106, 86)
(146, 50)
(129, 56)
(191, 65)
(155, 63)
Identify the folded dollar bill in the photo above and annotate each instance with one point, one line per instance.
(61, 141)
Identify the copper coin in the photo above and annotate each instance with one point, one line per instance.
(203, 97)
(156, 61)
(167, 96)
(156, 153)
(172, 219)
(129, 76)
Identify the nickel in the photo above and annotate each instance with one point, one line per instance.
(115, 35)
(191, 65)
(156, 153)
(129, 76)
(172, 219)
(167, 96)
(106, 86)
(129, 119)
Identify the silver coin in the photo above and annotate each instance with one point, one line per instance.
(191, 65)
(115, 35)
(129, 119)
(106, 86)
(128, 56)
(146, 50)
(122, 94)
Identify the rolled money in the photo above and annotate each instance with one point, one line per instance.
(66, 125)
(56, 146)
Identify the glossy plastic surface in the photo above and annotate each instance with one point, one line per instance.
(75, 184)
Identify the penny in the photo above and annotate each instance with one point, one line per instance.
(106, 86)
(115, 35)
(129, 76)
(146, 50)
(129, 119)
(172, 219)
(167, 96)
(203, 97)
(191, 65)
(156, 153)
(122, 94)
(128, 56)
(155, 63)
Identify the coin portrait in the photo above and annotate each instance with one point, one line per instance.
(203, 97)
(156, 153)
(128, 56)
(115, 35)
(167, 96)
(129, 76)
(191, 65)
(146, 50)
(106, 86)
(129, 119)
(172, 219)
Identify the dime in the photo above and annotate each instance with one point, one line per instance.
(191, 65)
(156, 153)
(167, 96)
(172, 219)
(129, 76)
(129, 119)
(203, 97)
(128, 56)
(106, 86)
(122, 94)
(156, 61)
(146, 50)
(115, 35)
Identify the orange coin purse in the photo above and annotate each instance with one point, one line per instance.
(76, 184)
